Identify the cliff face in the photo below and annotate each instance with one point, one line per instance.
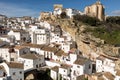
(90, 46)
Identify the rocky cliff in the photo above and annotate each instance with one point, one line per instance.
(90, 46)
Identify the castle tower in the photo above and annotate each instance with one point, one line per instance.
(96, 10)
(58, 9)
(58, 6)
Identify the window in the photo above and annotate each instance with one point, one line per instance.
(13, 73)
(12, 59)
(64, 70)
(20, 79)
(78, 66)
(36, 66)
(20, 72)
(39, 65)
(89, 66)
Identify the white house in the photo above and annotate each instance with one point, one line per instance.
(20, 35)
(35, 48)
(13, 71)
(45, 24)
(32, 61)
(70, 12)
(54, 73)
(105, 63)
(40, 36)
(81, 66)
(16, 33)
(4, 53)
(72, 56)
(65, 71)
(20, 50)
(65, 45)
(7, 52)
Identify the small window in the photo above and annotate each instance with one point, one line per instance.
(36, 66)
(20, 79)
(89, 66)
(39, 65)
(13, 73)
(78, 66)
(12, 59)
(64, 70)
(20, 72)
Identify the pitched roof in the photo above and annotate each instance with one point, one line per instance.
(60, 53)
(65, 66)
(81, 61)
(31, 56)
(33, 45)
(15, 65)
(55, 68)
(19, 47)
(109, 75)
(101, 78)
(51, 49)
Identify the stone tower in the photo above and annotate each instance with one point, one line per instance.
(58, 9)
(96, 10)
(58, 6)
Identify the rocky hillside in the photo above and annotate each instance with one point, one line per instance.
(89, 45)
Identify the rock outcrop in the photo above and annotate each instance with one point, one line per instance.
(90, 46)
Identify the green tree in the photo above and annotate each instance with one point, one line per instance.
(86, 19)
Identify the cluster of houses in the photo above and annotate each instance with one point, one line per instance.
(31, 46)
(27, 43)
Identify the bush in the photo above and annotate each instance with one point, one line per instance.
(113, 19)
(86, 19)
(111, 37)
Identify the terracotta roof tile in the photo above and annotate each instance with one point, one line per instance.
(31, 56)
(109, 75)
(15, 65)
(33, 45)
(81, 61)
(60, 53)
(65, 66)
(55, 68)
(19, 47)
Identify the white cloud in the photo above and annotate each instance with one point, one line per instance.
(116, 12)
(11, 10)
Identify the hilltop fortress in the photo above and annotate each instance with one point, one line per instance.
(95, 10)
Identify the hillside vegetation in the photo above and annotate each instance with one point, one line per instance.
(108, 30)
